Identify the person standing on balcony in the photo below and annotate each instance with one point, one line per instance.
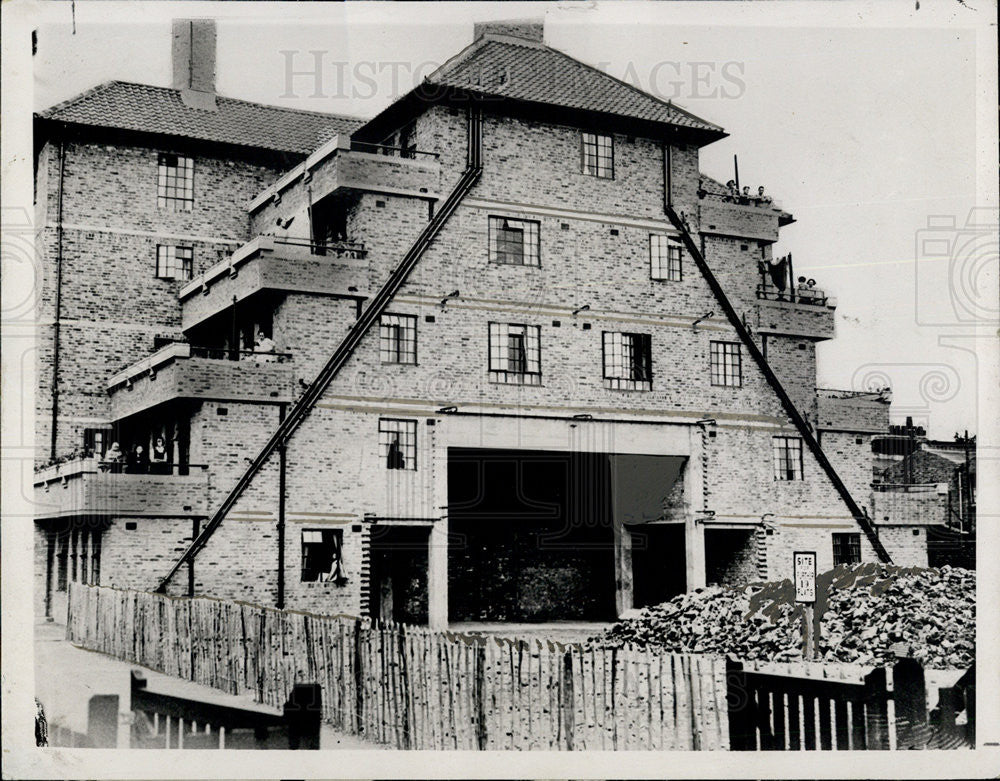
(763, 199)
(114, 458)
(733, 192)
(264, 349)
(158, 458)
(138, 463)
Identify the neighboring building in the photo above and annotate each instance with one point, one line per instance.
(588, 385)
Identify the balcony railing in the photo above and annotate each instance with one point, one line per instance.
(83, 488)
(739, 200)
(227, 354)
(407, 153)
(810, 296)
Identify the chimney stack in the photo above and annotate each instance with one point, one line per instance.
(194, 62)
(532, 29)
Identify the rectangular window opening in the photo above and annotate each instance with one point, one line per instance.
(397, 441)
(727, 364)
(598, 155)
(175, 183)
(846, 548)
(321, 555)
(173, 262)
(787, 454)
(665, 258)
(515, 353)
(628, 361)
(514, 242)
(398, 339)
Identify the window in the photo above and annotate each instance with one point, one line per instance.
(175, 183)
(628, 363)
(846, 549)
(515, 353)
(727, 364)
(174, 262)
(96, 441)
(787, 453)
(321, 556)
(397, 442)
(514, 242)
(664, 258)
(598, 155)
(398, 339)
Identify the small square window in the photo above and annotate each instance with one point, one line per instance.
(787, 455)
(514, 242)
(515, 353)
(398, 339)
(397, 440)
(175, 183)
(846, 549)
(628, 363)
(174, 262)
(597, 155)
(665, 254)
(727, 364)
(321, 555)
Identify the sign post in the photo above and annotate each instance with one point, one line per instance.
(804, 573)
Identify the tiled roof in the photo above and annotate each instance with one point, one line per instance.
(522, 69)
(141, 107)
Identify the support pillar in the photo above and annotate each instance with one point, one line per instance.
(437, 575)
(624, 591)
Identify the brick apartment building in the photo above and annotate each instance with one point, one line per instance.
(522, 360)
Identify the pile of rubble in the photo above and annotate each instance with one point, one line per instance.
(929, 614)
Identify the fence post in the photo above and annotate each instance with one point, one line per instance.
(358, 681)
(479, 695)
(910, 698)
(876, 710)
(303, 713)
(404, 685)
(567, 705)
(741, 726)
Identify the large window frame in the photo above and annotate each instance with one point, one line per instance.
(397, 443)
(666, 258)
(175, 182)
(597, 155)
(322, 555)
(397, 342)
(628, 361)
(786, 454)
(514, 242)
(726, 364)
(514, 353)
(174, 261)
(846, 548)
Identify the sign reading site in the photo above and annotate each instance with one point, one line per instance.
(804, 567)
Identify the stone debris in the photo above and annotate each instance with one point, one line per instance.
(928, 614)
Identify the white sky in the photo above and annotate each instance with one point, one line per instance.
(861, 132)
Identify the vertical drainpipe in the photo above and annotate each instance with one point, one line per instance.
(281, 514)
(58, 312)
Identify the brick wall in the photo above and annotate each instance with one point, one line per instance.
(112, 304)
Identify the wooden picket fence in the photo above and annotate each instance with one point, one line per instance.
(411, 687)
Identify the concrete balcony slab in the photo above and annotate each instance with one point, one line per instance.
(172, 373)
(266, 263)
(807, 320)
(87, 488)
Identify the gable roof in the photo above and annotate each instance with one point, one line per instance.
(522, 69)
(145, 108)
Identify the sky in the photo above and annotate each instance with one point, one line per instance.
(861, 121)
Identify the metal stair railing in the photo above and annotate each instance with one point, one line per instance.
(303, 406)
(800, 423)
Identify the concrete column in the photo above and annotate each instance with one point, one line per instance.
(694, 533)
(624, 592)
(437, 550)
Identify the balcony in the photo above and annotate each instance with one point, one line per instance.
(340, 165)
(751, 218)
(270, 264)
(181, 371)
(808, 314)
(86, 487)
(854, 411)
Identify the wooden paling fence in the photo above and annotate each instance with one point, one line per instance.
(412, 687)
